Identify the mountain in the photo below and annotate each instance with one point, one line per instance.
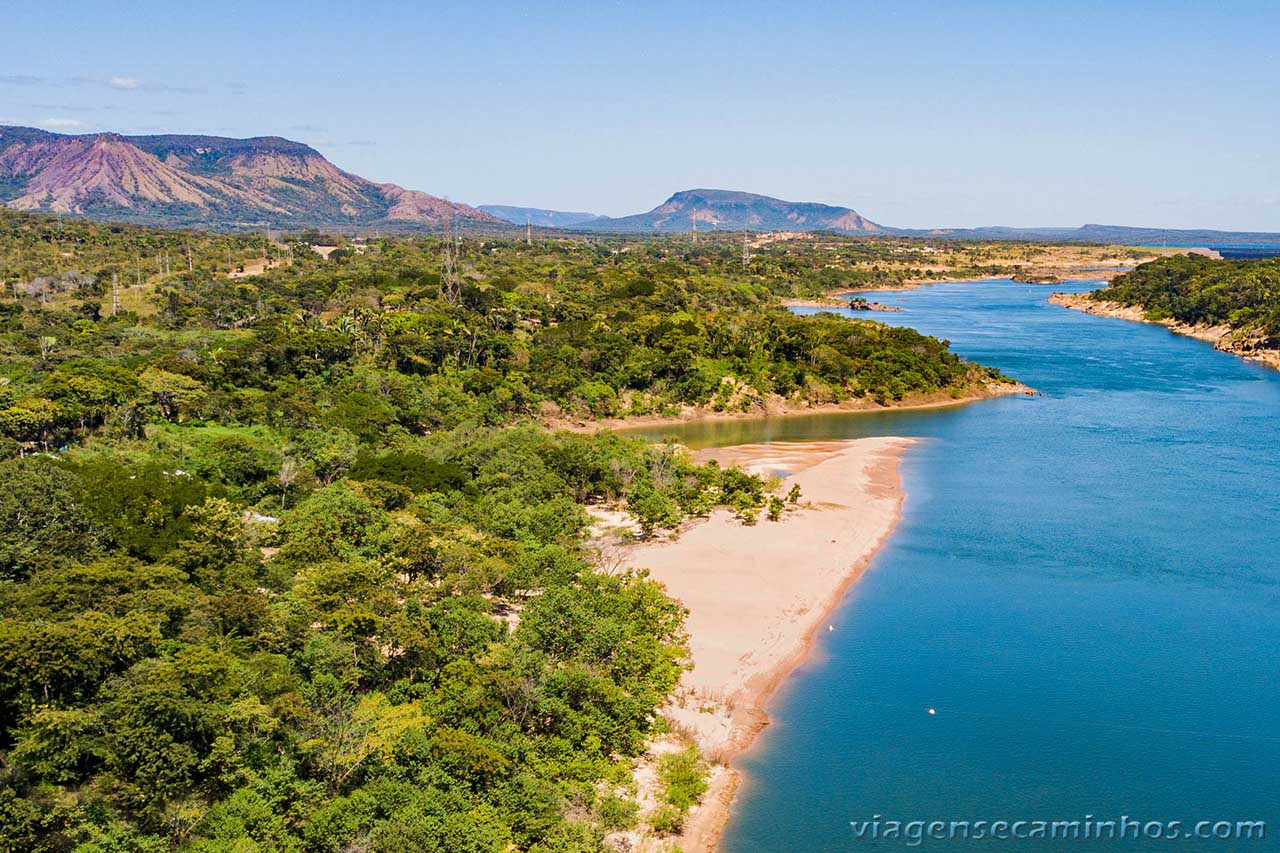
(538, 216)
(728, 210)
(206, 181)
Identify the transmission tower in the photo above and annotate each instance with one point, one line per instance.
(746, 251)
(528, 230)
(450, 258)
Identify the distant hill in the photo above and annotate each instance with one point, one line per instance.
(206, 181)
(728, 210)
(1120, 234)
(538, 216)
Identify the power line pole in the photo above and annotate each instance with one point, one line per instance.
(115, 294)
(528, 230)
(746, 252)
(191, 267)
(695, 232)
(450, 257)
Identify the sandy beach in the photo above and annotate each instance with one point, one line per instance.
(758, 595)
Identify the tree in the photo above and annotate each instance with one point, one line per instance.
(289, 473)
(33, 419)
(41, 522)
(652, 509)
(173, 393)
(332, 523)
(348, 731)
(216, 536)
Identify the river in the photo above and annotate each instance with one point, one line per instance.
(1085, 587)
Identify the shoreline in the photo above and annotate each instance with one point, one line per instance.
(1064, 276)
(1064, 273)
(747, 636)
(778, 408)
(1223, 338)
(832, 301)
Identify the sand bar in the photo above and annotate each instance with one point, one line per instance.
(758, 595)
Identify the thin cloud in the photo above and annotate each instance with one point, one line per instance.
(62, 123)
(62, 108)
(23, 80)
(119, 83)
(133, 84)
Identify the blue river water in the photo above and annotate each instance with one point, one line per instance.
(1085, 586)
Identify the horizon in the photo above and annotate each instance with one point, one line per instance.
(890, 229)
(959, 119)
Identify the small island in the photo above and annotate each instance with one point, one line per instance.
(1036, 278)
(861, 304)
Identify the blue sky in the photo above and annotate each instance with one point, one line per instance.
(916, 114)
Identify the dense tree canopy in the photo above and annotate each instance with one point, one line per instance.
(287, 562)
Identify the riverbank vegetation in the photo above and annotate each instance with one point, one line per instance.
(287, 562)
(1199, 291)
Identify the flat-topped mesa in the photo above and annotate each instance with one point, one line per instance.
(731, 210)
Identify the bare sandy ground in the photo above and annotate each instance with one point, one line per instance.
(758, 595)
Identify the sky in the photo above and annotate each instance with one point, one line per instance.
(943, 114)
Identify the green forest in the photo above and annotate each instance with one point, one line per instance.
(291, 562)
(1196, 290)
